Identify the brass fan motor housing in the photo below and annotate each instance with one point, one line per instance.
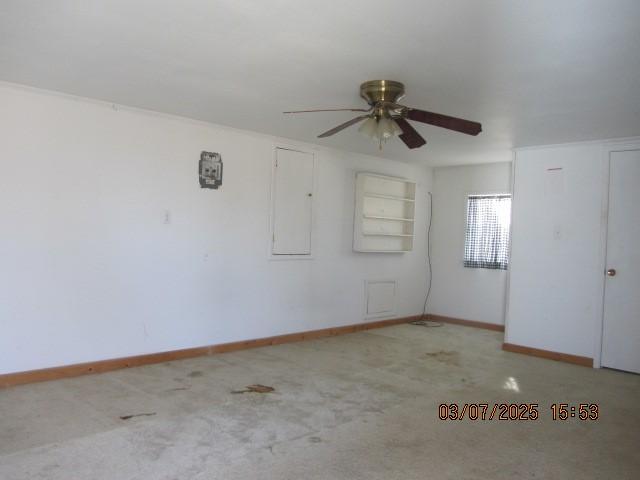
(376, 91)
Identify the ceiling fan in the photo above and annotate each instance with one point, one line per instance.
(385, 118)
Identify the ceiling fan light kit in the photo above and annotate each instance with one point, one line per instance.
(380, 129)
(385, 118)
(369, 128)
(387, 128)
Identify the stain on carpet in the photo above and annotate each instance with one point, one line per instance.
(257, 388)
(127, 417)
(447, 357)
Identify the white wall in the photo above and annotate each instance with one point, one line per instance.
(557, 256)
(468, 293)
(89, 270)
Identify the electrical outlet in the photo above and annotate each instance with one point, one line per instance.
(166, 218)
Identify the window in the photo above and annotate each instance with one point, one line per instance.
(487, 238)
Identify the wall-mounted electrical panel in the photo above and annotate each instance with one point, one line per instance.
(210, 170)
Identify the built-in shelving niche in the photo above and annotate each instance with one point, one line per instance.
(384, 214)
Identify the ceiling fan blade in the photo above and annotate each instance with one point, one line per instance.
(410, 135)
(444, 121)
(331, 110)
(342, 126)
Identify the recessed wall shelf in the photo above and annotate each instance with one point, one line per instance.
(389, 197)
(384, 234)
(384, 214)
(398, 219)
(383, 251)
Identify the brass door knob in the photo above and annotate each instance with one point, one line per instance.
(611, 272)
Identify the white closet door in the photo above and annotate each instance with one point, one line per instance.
(293, 188)
(621, 329)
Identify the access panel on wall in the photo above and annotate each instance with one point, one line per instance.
(292, 202)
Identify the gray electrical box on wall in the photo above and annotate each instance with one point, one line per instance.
(210, 170)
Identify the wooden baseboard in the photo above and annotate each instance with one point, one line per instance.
(466, 323)
(101, 366)
(560, 357)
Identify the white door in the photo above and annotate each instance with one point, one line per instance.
(292, 191)
(621, 329)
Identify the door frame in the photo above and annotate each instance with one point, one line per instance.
(608, 147)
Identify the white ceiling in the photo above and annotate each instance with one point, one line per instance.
(532, 72)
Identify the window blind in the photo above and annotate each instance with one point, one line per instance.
(488, 229)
